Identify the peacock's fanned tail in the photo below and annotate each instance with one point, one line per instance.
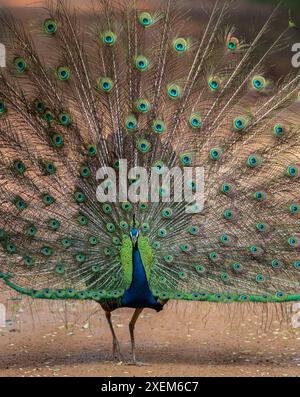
(131, 84)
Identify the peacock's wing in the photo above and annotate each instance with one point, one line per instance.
(127, 84)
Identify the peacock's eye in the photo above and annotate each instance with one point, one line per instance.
(224, 276)
(294, 208)
(83, 220)
(229, 214)
(39, 106)
(297, 265)
(280, 295)
(293, 241)
(142, 105)
(232, 43)
(64, 119)
(260, 278)
(116, 165)
(85, 171)
(186, 159)
(167, 213)
(19, 167)
(31, 230)
(192, 185)
(48, 116)
(28, 261)
(48, 199)
(67, 243)
(123, 225)
(143, 146)
(80, 257)
(200, 269)
(214, 256)
(214, 83)
(240, 123)
(54, 224)
(260, 227)
(60, 269)
(93, 240)
(20, 64)
(47, 251)
(80, 197)
(141, 63)
(158, 167)
(195, 120)
(180, 45)
(108, 38)
(63, 73)
(107, 251)
(276, 264)
(58, 140)
(92, 150)
(237, 267)
(126, 207)
(50, 26)
(110, 227)
(107, 209)
(254, 160)
(258, 83)
(194, 230)
(162, 232)
(168, 258)
(105, 84)
(256, 250)
(50, 168)
(174, 91)
(145, 227)
(131, 123)
(215, 154)
(145, 19)
(3, 108)
(11, 248)
(20, 203)
(278, 130)
(95, 268)
(224, 239)
(185, 247)
(293, 171)
(226, 188)
(156, 245)
(158, 126)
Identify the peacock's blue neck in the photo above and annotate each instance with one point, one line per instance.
(139, 293)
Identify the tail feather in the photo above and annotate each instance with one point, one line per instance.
(127, 83)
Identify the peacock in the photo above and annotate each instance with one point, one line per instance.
(128, 96)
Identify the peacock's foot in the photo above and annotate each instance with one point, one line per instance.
(138, 363)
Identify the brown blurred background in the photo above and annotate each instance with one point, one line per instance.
(247, 15)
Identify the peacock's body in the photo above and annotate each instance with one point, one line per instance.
(134, 86)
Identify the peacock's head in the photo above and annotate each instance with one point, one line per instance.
(134, 234)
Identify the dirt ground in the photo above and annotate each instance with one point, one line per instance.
(193, 339)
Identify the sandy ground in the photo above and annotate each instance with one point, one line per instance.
(184, 340)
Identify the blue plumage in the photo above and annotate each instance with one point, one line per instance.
(139, 294)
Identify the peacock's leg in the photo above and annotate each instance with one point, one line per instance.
(133, 320)
(116, 346)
